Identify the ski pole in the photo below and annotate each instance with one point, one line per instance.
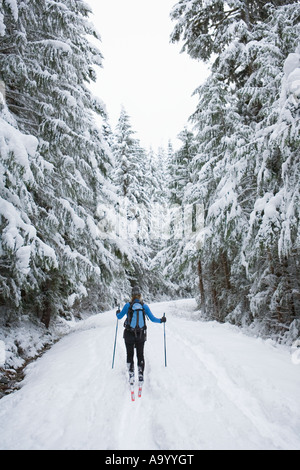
(113, 362)
(165, 343)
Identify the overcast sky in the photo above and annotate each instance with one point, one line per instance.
(143, 71)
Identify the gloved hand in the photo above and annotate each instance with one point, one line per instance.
(163, 320)
(118, 311)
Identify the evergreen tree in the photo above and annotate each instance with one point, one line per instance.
(208, 27)
(237, 173)
(124, 150)
(132, 208)
(274, 222)
(176, 254)
(46, 65)
(24, 257)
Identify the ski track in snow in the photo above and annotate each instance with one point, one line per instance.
(221, 390)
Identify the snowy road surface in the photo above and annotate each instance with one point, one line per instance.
(221, 390)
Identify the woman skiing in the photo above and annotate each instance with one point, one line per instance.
(135, 333)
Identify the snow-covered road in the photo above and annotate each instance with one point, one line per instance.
(221, 390)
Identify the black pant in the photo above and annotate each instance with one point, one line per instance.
(138, 342)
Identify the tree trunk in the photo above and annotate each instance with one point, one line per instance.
(201, 287)
(226, 270)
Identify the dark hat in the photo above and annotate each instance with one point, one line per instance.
(136, 290)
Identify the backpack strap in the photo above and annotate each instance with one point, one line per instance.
(130, 313)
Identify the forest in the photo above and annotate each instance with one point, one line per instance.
(86, 212)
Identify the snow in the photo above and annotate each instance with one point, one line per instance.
(2, 25)
(2, 353)
(13, 8)
(29, 339)
(55, 44)
(11, 234)
(291, 63)
(82, 292)
(22, 146)
(48, 252)
(23, 259)
(78, 221)
(292, 73)
(222, 389)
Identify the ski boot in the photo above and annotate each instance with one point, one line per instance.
(131, 380)
(141, 380)
(131, 374)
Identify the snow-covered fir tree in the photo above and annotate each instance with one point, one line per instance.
(240, 170)
(176, 254)
(25, 258)
(46, 66)
(133, 205)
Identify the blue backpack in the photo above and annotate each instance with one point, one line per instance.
(136, 319)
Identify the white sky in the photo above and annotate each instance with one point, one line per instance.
(143, 71)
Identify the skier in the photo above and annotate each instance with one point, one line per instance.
(135, 333)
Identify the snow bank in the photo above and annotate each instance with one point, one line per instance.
(25, 340)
